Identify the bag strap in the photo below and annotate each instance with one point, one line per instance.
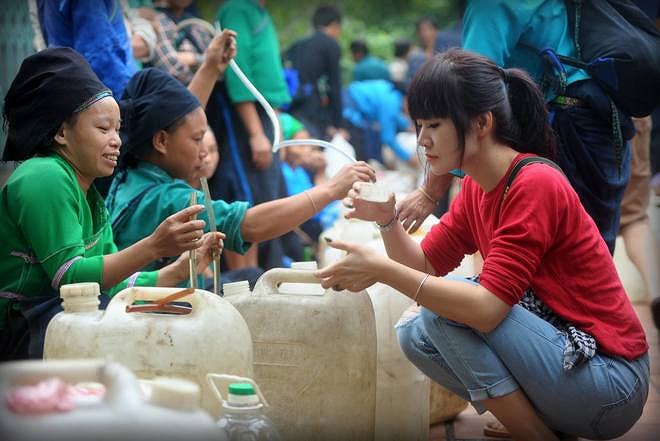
(520, 164)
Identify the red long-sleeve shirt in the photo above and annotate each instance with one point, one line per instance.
(540, 236)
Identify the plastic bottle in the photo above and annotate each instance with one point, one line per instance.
(243, 416)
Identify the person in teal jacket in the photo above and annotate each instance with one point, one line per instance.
(64, 123)
(165, 151)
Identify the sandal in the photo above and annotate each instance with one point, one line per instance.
(494, 428)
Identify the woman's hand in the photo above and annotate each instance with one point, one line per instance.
(210, 245)
(355, 272)
(178, 233)
(414, 209)
(344, 179)
(221, 50)
(359, 208)
(416, 206)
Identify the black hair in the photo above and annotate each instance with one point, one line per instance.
(325, 15)
(47, 148)
(132, 158)
(401, 48)
(461, 85)
(359, 46)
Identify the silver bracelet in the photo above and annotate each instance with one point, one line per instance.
(388, 226)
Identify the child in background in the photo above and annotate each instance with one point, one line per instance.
(303, 167)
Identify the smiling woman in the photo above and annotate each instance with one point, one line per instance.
(63, 123)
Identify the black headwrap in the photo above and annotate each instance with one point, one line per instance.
(49, 87)
(153, 100)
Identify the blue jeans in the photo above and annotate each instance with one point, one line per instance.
(600, 399)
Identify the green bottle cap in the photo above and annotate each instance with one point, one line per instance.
(241, 389)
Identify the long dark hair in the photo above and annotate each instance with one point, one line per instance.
(461, 85)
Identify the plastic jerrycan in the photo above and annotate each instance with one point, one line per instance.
(122, 412)
(213, 337)
(314, 356)
(402, 391)
(243, 417)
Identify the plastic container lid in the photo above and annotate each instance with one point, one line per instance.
(241, 389)
(80, 297)
(235, 288)
(174, 393)
(85, 289)
(242, 394)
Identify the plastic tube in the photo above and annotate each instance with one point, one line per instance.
(318, 142)
(270, 112)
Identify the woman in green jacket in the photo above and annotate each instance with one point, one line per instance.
(64, 123)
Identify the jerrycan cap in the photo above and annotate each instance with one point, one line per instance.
(242, 394)
(236, 288)
(174, 393)
(80, 297)
(84, 289)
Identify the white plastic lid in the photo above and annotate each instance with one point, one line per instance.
(80, 297)
(174, 393)
(235, 288)
(85, 289)
(309, 265)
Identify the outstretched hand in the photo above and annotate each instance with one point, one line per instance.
(355, 272)
(344, 179)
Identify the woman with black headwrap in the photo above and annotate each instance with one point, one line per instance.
(64, 124)
(164, 124)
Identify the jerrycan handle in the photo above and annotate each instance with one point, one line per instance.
(123, 301)
(210, 378)
(272, 279)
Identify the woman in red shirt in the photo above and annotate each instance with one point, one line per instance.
(545, 337)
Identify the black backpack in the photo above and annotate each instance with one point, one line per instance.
(618, 45)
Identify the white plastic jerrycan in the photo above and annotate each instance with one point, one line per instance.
(402, 391)
(314, 356)
(120, 411)
(208, 336)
